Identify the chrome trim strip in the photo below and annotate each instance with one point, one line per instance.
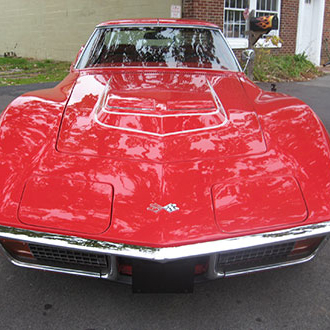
(152, 109)
(170, 25)
(83, 51)
(166, 253)
(129, 108)
(231, 51)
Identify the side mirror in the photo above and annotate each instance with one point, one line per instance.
(76, 59)
(247, 56)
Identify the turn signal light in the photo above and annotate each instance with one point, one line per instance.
(17, 248)
(306, 246)
(125, 269)
(201, 268)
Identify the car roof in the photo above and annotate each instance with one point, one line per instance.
(162, 21)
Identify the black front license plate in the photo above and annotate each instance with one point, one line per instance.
(170, 277)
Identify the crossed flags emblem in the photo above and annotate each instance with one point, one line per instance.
(154, 207)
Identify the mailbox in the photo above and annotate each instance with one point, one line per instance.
(264, 23)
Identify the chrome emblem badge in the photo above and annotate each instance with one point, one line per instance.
(154, 207)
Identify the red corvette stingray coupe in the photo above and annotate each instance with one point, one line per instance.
(157, 163)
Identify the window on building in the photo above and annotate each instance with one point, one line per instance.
(234, 22)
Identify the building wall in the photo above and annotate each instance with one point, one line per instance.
(325, 55)
(57, 29)
(288, 25)
(206, 10)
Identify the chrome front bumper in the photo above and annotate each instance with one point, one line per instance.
(211, 249)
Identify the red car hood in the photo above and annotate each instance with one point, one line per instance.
(161, 117)
(133, 144)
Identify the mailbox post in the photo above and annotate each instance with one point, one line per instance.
(255, 28)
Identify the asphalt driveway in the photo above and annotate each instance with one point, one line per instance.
(294, 298)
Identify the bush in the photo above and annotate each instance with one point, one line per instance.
(272, 68)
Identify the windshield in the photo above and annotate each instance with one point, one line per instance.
(160, 46)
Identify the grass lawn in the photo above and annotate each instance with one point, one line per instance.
(19, 71)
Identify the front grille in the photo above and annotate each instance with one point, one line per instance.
(260, 254)
(67, 256)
